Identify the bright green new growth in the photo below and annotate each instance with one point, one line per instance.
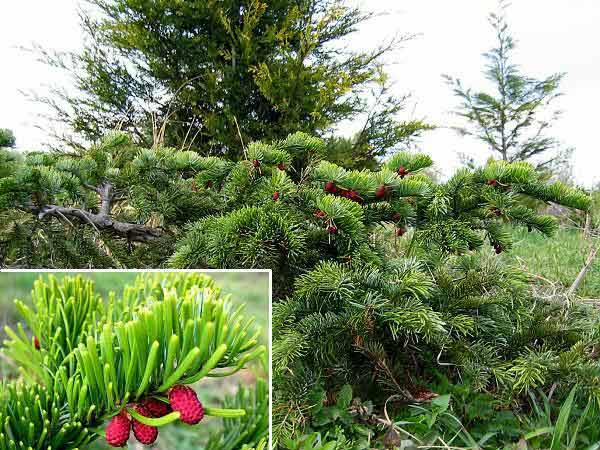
(94, 358)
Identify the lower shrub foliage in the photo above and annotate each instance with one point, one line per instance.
(396, 316)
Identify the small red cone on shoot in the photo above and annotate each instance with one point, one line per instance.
(256, 163)
(156, 408)
(209, 184)
(184, 399)
(330, 187)
(319, 214)
(400, 231)
(353, 195)
(380, 191)
(396, 217)
(281, 166)
(275, 196)
(498, 248)
(146, 434)
(493, 182)
(402, 172)
(118, 429)
(332, 229)
(36, 343)
(497, 211)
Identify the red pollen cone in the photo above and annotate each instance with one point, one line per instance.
(146, 434)
(118, 429)
(184, 399)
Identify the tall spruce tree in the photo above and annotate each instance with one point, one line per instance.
(216, 75)
(515, 117)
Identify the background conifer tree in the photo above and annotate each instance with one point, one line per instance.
(213, 75)
(514, 118)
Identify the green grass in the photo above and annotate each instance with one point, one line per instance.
(558, 259)
(244, 287)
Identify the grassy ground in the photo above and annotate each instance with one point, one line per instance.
(249, 288)
(558, 259)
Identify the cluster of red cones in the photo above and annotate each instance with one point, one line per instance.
(181, 398)
(350, 194)
(381, 192)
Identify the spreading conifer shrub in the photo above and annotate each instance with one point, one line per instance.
(385, 281)
(121, 367)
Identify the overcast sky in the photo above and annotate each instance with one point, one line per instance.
(553, 36)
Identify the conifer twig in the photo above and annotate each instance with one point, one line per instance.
(240, 135)
(132, 231)
(581, 275)
(587, 229)
(587, 235)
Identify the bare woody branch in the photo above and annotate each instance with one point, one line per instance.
(101, 221)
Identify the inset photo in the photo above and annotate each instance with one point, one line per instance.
(168, 360)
